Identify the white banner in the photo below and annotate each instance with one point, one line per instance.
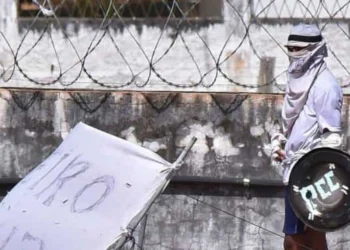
(84, 196)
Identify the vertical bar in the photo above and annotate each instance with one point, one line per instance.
(266, 74)
(143, 226)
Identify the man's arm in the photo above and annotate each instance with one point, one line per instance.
(328, 101)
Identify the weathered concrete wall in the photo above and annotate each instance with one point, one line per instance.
(232, 130)
(180, 222)
(201, 56)
(233, 137)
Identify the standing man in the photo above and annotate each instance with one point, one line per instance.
(311, 116)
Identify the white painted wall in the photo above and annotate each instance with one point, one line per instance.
(216, 41)
(300, 9)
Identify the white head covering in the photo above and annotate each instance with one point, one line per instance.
(303, 35)
(304, 67)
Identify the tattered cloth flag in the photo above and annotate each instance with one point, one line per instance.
(90, 193)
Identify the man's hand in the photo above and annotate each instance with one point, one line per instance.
(331, 140)
(277, 153)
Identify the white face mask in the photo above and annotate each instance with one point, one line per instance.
(301, 61)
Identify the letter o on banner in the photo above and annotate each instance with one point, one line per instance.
(319, 189)
(107, 181)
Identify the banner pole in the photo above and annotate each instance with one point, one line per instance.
(184, 153)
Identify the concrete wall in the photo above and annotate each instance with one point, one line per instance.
(233, 139)
(180, 222)
(232, 130)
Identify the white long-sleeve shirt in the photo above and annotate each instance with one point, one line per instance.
(321, 111)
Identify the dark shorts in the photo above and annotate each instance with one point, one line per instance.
(292, 224)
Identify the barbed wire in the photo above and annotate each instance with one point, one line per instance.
(179, 51)
(169, 16)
